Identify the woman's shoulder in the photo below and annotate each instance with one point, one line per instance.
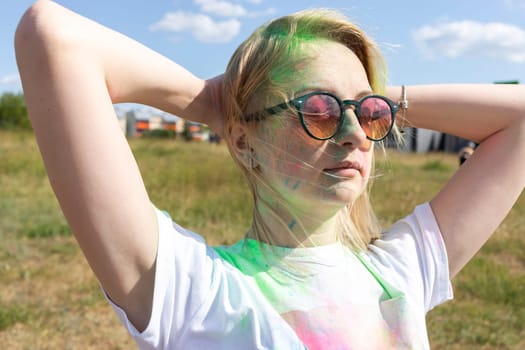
(412, 254)
(419, 224)
(409, 237)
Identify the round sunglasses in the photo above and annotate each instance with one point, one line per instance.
(322, 114)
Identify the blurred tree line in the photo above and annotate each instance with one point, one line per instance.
(13, 112)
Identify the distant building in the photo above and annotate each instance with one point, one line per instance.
(195, 131)
(424, 140)
(139, 121)
(156, 122)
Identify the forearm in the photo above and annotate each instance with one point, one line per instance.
(493, 178)
(131, 72)
(473, 112)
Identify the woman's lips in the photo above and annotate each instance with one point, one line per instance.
(345, 169)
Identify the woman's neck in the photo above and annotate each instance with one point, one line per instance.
(273, 225)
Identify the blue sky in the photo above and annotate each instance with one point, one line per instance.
(446, 41)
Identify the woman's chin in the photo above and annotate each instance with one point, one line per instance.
(342, 193)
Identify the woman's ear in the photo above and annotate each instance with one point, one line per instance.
(241, 147)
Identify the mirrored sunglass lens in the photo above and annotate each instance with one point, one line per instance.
(321, 114)
(375, 117)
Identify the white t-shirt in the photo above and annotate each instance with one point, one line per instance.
(254, 296)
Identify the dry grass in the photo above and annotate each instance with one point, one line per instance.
(49, 298)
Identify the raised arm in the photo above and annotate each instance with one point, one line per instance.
(481, 193)
(72, 71)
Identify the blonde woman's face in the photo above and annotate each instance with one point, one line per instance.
(306, 171)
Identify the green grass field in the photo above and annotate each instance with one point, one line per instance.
(49, 299)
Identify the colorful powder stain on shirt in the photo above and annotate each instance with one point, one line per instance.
(331, 327)
(325, 294)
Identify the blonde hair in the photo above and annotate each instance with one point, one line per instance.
(256, 74)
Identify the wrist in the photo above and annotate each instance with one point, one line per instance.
(403, 104)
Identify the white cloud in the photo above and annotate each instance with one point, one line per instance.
(221, 8)
(201, 26)
(13, 79)
(470, 38)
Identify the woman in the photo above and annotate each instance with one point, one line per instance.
(301, 108)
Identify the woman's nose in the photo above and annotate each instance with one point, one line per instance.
(351, 132)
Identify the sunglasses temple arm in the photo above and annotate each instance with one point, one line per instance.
(277, 109)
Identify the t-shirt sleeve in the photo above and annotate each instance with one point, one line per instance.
(173, 306)
(201, 302)
(413, 254)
